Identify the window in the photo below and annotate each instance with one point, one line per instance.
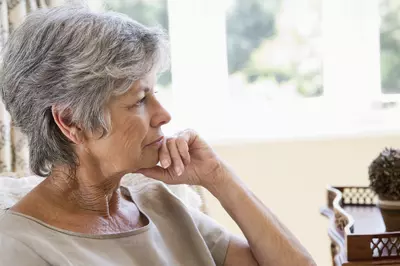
(275, 48)
(279, 68)
(390, 45)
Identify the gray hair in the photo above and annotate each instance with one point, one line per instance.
(75, 59)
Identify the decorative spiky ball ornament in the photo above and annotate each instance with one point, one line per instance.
(384, 174)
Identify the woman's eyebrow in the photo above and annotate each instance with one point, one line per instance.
(135, 92)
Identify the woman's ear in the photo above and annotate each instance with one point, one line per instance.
(63, 119)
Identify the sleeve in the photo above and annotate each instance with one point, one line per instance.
(215, 235)
(13, 252)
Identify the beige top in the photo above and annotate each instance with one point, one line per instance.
(175, 235)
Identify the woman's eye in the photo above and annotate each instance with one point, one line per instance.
(141, 101)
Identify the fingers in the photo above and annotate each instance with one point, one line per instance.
(164, 156)
(183, 149)
(174, 153)
(176, 159)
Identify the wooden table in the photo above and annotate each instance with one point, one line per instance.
(357, 230)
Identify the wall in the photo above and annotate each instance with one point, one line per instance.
(290, 178)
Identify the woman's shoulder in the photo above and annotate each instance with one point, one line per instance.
(14, 252)
(13, 231)
(11, 224)
(6, 224)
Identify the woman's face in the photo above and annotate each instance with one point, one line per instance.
(135, 136)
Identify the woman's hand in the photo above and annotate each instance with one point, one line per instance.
(186, 159)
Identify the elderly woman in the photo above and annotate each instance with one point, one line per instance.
(80, 85)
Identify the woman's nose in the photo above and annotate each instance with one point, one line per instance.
(161, 116)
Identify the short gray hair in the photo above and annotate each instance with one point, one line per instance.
(76, 59)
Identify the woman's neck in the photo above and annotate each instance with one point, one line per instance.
(87, 190)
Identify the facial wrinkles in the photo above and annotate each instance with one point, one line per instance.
(130, 133)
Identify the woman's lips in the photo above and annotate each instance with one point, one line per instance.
(157, 142)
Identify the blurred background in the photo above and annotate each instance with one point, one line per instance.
(294, 94)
